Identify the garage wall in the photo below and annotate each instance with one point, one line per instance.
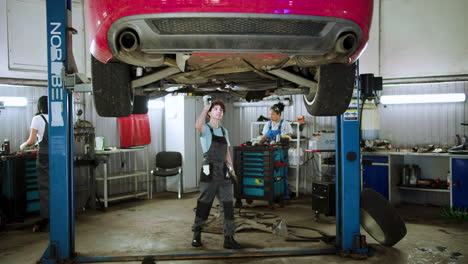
(424, 124)
(423, 38)
(108, 128)
(15, 125)
(404, 125)
(15, 121)
(245, 115)
(23, 39)
(369, 62)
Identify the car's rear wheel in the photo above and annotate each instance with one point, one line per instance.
(335, 84)
(113, 96)
(140, 105)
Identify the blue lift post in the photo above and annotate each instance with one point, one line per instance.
(62, 239)
(348, 188)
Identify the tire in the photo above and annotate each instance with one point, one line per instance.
(380, 219)
(335, 85)
(140, 105)
(113, 96)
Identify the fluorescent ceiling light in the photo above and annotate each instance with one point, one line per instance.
(423, 98)
(155, 104)
(14, 101)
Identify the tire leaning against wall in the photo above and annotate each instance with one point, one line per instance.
(380, 219)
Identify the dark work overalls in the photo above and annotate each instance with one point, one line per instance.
(42, 170)
(215, 183)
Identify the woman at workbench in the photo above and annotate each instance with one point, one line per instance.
(214, 176)
(277, 125)
(40, 135)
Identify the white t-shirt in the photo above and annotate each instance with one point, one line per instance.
(39, 124)
(285, 127)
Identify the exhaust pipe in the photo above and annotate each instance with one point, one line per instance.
(345, 43)
(128, 40)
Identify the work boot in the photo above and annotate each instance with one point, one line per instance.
(196, 241)
(230, 243)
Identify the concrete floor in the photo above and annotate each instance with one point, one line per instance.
(162, 226)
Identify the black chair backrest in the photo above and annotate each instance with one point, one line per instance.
(168, 159)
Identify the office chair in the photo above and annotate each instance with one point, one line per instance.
(169, 163)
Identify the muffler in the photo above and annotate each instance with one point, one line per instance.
(345, 43)
(128, 40)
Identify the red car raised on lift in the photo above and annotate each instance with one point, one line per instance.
(250, 48)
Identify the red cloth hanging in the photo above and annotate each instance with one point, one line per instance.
(134, 130)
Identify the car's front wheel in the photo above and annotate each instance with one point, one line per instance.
(113, 96)
(335, 85)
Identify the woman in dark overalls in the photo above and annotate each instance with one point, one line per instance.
(39, 133)
(214, 179)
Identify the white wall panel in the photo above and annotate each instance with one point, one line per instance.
(423, 38)
(27, 36)
(15, 125)
(23, 38)
(423, 124)
(245, 115)
(15, 121)
(108, 128)
(369, 62)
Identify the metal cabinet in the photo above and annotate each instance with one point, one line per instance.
(261, 173)
(323, 198)
(375, 174)
(18, 186)
(459, 182)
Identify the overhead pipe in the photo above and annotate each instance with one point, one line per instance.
(155, 76)
(301, 81)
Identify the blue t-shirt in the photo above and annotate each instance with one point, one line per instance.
(205, 137)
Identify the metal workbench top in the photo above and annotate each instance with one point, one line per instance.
(405, 152)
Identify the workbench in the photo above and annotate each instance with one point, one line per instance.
(382, 170)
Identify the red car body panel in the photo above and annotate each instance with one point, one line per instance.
(101, 14)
